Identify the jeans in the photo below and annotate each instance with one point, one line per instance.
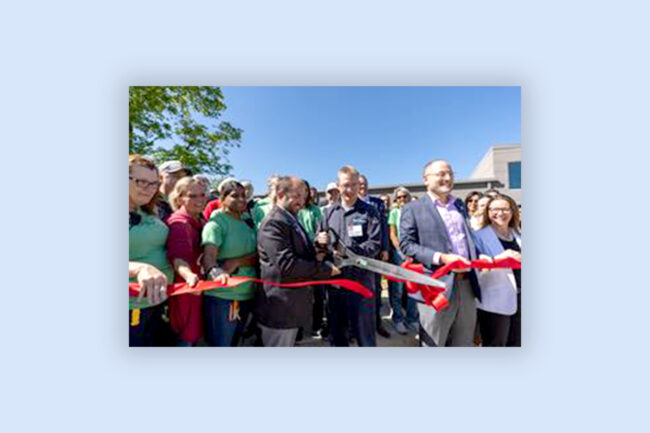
(219, 330)
(395, 290)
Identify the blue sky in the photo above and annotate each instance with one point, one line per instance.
(388, 133)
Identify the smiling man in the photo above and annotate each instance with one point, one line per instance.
(357, 225)
(286, 255)
(434, 231)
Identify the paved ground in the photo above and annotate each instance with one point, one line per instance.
(395, 340)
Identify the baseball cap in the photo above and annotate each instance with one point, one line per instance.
(172, 167)
(331, 186)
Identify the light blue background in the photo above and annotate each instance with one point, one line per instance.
(584, 76)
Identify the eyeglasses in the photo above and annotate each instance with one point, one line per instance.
(500, 209)
(401, 196)
(145, 184)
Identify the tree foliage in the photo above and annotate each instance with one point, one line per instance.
(182, 123)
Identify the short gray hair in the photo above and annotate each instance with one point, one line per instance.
(430, 163)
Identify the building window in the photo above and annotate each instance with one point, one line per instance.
(514, 175)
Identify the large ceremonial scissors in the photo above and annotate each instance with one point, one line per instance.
(344, 257)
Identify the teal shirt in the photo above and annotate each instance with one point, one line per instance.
(233, 238)
(393, 218)
(261, 208)
(309, 218)
(147, 241)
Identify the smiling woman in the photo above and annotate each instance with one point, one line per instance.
(229, 249)
(183, 250)
(148, 264)
(499, 311)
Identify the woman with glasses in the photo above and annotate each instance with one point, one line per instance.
(187, 199)
(229, 249)
(148, 264)
(499, 311)
(402, 196)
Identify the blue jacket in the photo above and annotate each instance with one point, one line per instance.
(367, 243)
(423, 233)
(498, 287)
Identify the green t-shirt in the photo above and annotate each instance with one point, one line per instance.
(233, 238)
(147, 241)
(309, 218)
(261, 208)
(393, 218)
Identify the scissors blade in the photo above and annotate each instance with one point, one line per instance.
(395, 271)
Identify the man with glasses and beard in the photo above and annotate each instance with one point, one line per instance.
(286, 255)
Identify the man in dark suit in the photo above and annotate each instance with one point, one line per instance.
(434, 231)
(287, 255)
(379, 206)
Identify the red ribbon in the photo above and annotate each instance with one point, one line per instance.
(505, 263)
(182, 288)
(433, 295)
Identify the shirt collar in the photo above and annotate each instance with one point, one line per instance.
(354, 206)
(450, 201)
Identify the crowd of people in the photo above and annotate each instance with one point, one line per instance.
(182, 231)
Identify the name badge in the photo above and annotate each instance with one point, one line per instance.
(355, 231)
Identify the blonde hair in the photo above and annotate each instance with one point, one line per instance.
(181, 187)
(348, 169)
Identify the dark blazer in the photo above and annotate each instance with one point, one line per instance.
(423, 233)
(285, 256)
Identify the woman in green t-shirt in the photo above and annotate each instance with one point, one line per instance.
(229, 249)
(148, 264)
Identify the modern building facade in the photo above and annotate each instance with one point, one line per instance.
(500, 169)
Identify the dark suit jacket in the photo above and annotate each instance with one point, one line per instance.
(285, 256)
(423, 233)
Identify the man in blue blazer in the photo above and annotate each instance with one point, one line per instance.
(434, 231)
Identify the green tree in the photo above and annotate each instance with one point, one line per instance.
(181, 123)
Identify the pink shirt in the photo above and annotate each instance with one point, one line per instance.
(455, 225)
(184, 240)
